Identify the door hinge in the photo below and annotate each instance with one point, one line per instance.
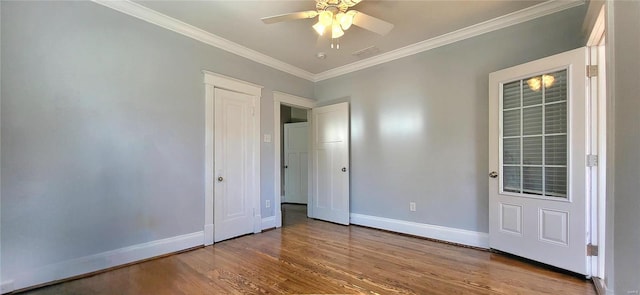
(592, 160)
(592, 71)
(592, 250)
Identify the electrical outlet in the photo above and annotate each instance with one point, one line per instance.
(412, 206)
(268, 203)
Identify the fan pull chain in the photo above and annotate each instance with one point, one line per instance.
(335, 43)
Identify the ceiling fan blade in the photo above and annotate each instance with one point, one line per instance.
(289, 16)
(372, 24)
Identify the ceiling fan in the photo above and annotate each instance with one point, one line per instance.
(335, 14)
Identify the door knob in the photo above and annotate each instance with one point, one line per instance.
(220, 179)
(344, 169)
(493, 174)
(285, 166)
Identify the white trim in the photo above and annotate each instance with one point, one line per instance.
(209, 148)
(6, 287)
(212, 81)
(281, 98)
(104, 260)
(230, 83)
(209, 233)
(590, 25)
(172, 24)
(598, 143)
(497, 23)
(599, 26)
(268, 222)
(180, 27)
(454, 235)
(292, 100)
(257, 217)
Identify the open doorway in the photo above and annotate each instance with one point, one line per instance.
(328, 147)
(292, 156)
(294, 127)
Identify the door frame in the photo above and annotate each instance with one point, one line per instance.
(279, 99)
(212, 81)
(598, 102)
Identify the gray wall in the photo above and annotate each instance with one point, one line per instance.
(103, 130)
(419, 125)
(626, 96)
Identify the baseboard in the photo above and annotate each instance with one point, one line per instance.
(104, 260)
(599, 284)
(268, 222)
(208, 234)
(6, 286)
(454, 235)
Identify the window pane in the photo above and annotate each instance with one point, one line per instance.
(531, 94)
(534, 135)
(532, 150)
(511, 123)
(511, 95)
(555, 118)
(555, 148)
(556, 181)
(511, 151)
(558, 90)
(532, 180)
(511, 179)
(532, 121)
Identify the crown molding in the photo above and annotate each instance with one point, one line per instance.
(180, 27)
(167, 22)
(504, 21)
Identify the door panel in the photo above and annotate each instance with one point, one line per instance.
(296, 143)
(234, 163)
(330, 138)
(537, 146)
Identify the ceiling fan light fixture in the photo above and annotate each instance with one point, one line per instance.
(339, 17)
(351, 3)
(326, 18)
(319, 28)
(336, 31)
(347, 19)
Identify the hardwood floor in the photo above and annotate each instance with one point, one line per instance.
(309, 256)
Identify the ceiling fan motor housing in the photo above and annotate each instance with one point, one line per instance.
(335, 6)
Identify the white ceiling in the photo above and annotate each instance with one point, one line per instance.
(297, 44)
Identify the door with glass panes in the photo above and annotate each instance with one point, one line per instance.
(537, 160)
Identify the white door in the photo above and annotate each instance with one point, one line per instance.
(235, 183)
(537, 159)
(296, 162)
(330, 173)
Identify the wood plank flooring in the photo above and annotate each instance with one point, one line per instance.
(313, 257)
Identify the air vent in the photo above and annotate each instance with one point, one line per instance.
(369, 51)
